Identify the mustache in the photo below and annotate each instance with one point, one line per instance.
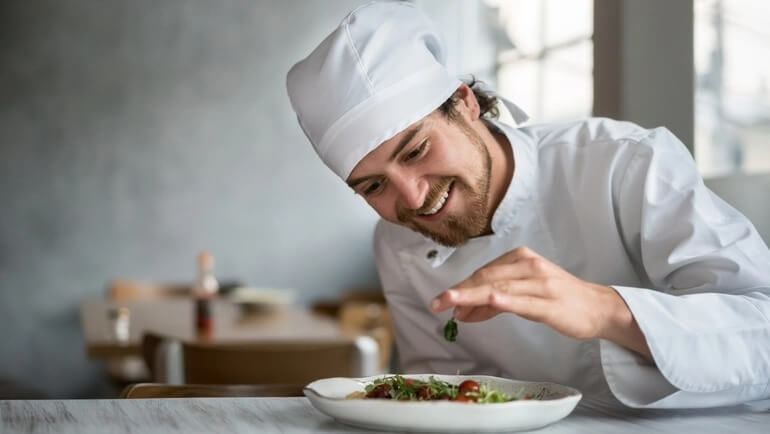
(404, 215)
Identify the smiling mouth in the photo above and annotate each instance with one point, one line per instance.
(440, 202)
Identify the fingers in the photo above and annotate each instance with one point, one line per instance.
(452, 298)
(475, 313)
(479, 295)
(529, 307)
(461, 297)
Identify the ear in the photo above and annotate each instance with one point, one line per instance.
(467, 104)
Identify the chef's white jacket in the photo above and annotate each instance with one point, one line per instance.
(618, 205)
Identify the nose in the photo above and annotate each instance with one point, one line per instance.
(412, 190)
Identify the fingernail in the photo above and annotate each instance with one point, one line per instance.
(435, 304)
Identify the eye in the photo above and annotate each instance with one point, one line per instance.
(373, 188)
(414, 153)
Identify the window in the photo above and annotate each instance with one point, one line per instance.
(547, 65)
(732, 96)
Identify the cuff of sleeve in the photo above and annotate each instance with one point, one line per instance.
(704, 347)
(633, 380)
(637, 383)
(701, 342)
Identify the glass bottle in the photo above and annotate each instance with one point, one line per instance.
(204, 290)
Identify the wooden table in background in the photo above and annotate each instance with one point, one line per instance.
(173, 317)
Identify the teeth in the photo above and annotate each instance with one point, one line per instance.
(438, 204)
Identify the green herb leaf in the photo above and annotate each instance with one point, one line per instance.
(450, 330)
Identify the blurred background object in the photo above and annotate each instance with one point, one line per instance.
(364, 311)
(298, 361)
(282, 362)
(261, 300)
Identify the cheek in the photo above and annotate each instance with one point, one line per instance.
(451, 155)
(384, 207)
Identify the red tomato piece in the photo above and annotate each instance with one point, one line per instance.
(468, 386)
(379, 391)
(463, 398)
(423, 393)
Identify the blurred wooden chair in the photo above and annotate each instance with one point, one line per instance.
(279, 362)
(163, 358)
(373, 319)
(264, 362)
(363, 311)
(331, 307)
(161, 390)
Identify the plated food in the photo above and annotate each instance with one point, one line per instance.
(548, 403)
(402, 388)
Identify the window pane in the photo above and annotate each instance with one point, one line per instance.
(732, 97)
(548, 72)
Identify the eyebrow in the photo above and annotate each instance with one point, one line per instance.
(401, 144)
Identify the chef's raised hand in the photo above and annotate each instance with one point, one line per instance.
(527, 284)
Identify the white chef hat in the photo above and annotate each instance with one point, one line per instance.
(382, 69)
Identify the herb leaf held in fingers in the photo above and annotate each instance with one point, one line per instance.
(450, 330)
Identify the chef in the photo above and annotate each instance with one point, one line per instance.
(587, 253)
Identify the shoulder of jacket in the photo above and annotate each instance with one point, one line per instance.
(587, 131)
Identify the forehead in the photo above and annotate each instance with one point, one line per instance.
(384, 150)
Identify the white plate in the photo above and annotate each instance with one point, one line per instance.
(550, 402)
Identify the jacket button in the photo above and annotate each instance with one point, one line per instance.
(432, 254)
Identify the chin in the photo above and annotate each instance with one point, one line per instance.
(447, 240)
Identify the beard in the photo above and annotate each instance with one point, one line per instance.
(454, 230)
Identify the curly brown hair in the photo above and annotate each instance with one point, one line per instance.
(487, 103)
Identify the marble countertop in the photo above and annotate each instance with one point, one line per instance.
(296, 415)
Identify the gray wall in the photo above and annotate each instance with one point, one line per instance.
(134, 133)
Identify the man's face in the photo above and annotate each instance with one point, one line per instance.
(433, 177)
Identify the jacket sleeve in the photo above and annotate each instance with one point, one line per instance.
(707, 317)
(419, 340)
